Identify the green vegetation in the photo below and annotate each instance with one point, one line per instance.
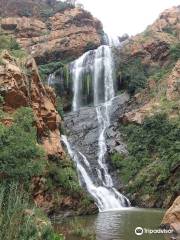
(21, 158)
(154, 154)
(133, 75)
(53, 67)
(90, 46)
(19, 219)
(59, 106)
(175, 52)
(78, 229)
(64, 175)
(170, 31)
(62, 180)
(10, 44)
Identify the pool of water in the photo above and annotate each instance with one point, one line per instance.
(115, 225)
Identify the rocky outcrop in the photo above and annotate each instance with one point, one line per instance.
(64, 35)
(82, 128)
(23, 88)
(153, 45)
(172, 217)
(150, 61)
(173, 83)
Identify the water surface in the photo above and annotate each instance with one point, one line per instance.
(115, 225)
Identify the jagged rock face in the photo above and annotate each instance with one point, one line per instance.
(83, 132)
(153, 44)
(20, 89)
(65, 35)
(173, 83)
(168, 20)
(172, 217)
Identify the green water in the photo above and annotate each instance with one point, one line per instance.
(116, 225)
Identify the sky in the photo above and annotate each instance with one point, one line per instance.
(127, 16)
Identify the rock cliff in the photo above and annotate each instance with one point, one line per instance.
(149, 70)
(172, 217)
(22, 88)
(50, 32)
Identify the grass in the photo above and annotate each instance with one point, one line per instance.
(19, 219)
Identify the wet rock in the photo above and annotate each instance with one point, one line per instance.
(83, 131)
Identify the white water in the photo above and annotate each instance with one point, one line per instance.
(106, 198)
(77, 72)
(51, 79)
(99, 63)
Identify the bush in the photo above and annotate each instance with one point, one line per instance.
(62, 6)
(49, 68)
(20, 156)
(90, 46)
(175, 52)
(64, 176)
(133, 75)
(46, 13)
(59, 106)
(154, 151)
(8, 43)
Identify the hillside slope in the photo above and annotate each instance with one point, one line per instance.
(149, 69)
(50, 30)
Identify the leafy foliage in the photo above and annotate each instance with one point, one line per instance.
(20, 156)
(59, 106)
(90, 46)
(64, 175)
(133, 75)
(15, 221)
(175, 51)
(154, 153)
(9, 43)
(49, 68)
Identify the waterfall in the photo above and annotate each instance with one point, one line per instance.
(51, 79)
(99, 64)
(106, 198)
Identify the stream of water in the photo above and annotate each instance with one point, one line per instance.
(99, 64)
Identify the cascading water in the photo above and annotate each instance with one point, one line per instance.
(99, 64)
(51, 79)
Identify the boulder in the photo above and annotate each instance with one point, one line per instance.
(172, 217)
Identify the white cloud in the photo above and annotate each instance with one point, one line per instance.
(127, 16)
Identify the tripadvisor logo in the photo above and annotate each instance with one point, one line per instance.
(140, 231)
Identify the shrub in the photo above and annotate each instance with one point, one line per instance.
(20, 156)
(49, 68)
(9, 43)
(154, 151)
(90, 46)
(133, 75)
(59, 106)
(62, 6)
(175, 52)
(64, 176)
(46, 13)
